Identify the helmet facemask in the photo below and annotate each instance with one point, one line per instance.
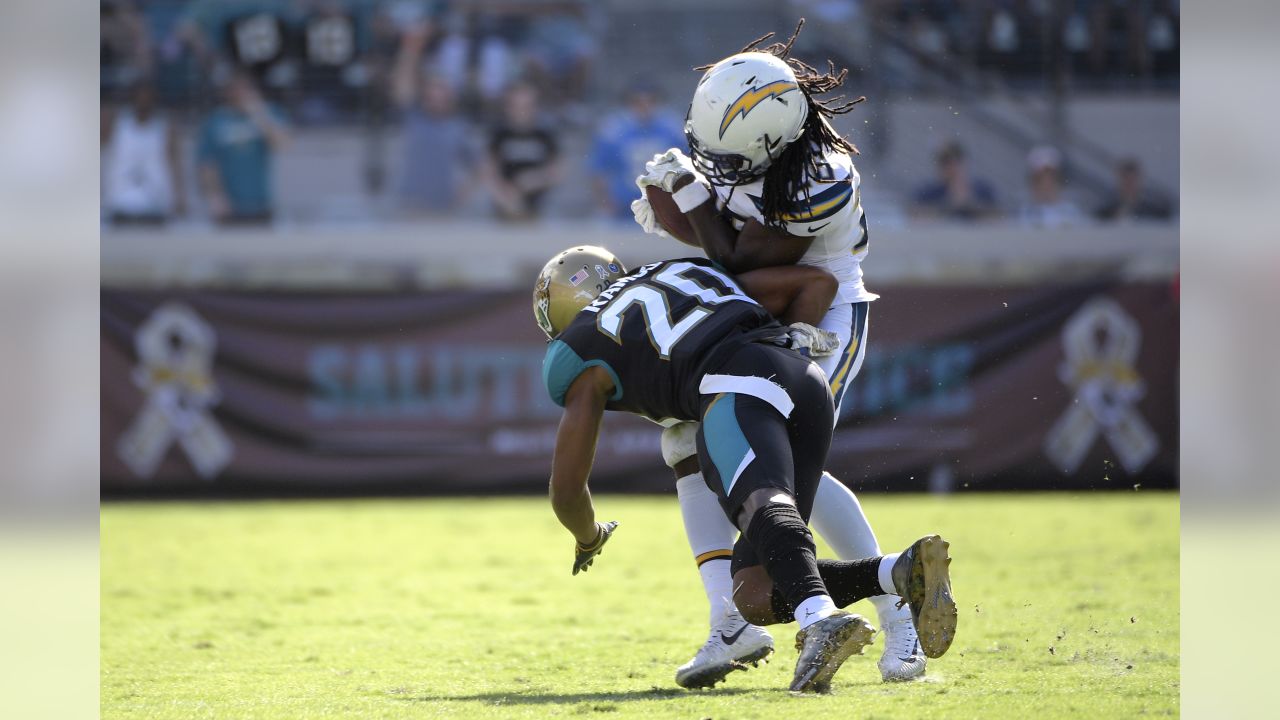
(723, 168)
(542, 304)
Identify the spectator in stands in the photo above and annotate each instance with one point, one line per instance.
(333, 42)
(523, 160)
(436, 153)
(839, 30)
(254, 35)
(471, 49)
(142, 174)
(955, 194)
(1131, 199)
(236, 144)
(1047, 207)
(624, 143)
(124, 47)
(561, 47)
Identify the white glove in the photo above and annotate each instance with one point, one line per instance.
(819, 342)
(666, 168)
(644, 215)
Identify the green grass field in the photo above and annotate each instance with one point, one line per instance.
(466, 608)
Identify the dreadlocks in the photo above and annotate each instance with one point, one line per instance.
(785, 177)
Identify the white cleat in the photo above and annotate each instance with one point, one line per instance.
(903, 659)
(733, 644)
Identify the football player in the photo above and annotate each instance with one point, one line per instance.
(771, 183)
(682, 340)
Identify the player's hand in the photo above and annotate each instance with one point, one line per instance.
(819, 342)
(666, 169)
(647, 219)
(584, 555)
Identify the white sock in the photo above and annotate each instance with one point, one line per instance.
(814, 609)
(711, 537)
(839, 519)
(718, 584)
(885, 573)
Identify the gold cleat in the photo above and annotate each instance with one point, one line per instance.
(825, 645)
(922, 577)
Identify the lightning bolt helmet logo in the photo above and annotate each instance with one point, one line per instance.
(752, 98)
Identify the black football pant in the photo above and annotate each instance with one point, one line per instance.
(767, 415)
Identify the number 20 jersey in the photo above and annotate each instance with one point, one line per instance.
(657, 331)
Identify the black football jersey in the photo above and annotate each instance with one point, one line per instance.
(657, 331)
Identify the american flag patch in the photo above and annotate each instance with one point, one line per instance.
(577, 278)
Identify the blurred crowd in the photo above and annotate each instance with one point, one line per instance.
(1095, 42)
(957, 194)
(465, 82)
(491, 106)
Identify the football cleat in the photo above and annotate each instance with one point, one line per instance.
(733, 644)
(825, 645)
(923, 580)
(903, 658)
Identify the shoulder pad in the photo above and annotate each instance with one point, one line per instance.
(562, 365)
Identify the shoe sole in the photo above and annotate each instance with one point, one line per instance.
(902, 678)
(850, 640)
(936, 624)
(708, 677)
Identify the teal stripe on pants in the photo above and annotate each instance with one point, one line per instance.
(726, 444)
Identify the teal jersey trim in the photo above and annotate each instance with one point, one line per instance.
(561, 366)
(726, 444)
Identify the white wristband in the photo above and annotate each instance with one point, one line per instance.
(691, 196)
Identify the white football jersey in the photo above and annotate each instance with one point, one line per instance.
(832, 216)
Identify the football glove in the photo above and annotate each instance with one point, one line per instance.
(584, 555)
(818, 342)
(666, 168)
(647, 219)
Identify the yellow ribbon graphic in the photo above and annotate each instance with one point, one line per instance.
(1101, 342)
(175, 351)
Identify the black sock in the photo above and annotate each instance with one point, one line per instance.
(847, 583)
(785, 546)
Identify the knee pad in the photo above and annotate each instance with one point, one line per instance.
(757, 501)
(679, 442)
(772, 524)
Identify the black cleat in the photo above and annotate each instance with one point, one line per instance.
(825, 645)
(922, 578)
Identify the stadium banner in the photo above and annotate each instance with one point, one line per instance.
(1067, 386)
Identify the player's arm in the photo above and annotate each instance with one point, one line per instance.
(571, 465)
(792, 293)
(404, 73)
(755, 246)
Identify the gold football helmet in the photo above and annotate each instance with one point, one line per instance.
(569, 281)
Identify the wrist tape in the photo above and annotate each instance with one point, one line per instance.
(691, 196)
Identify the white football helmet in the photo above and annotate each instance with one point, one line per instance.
(746, 110)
